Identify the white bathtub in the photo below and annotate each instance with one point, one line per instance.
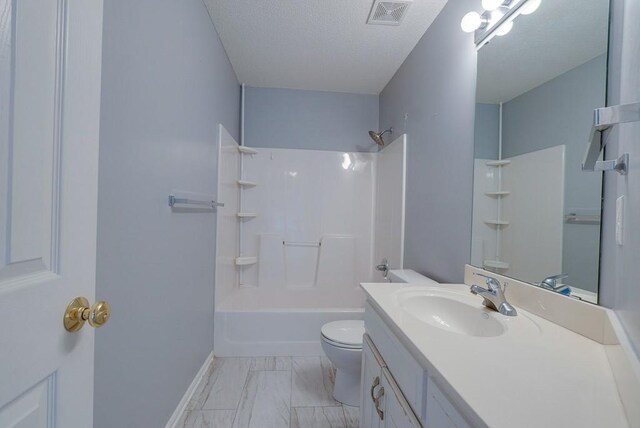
(254, 322)
(274, 332)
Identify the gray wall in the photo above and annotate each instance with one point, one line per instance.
(432, 99)
(620, 268)
(559, 112)
(296, 119)
(166, 84)
(487, 131)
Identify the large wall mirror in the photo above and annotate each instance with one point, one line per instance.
(536, 214)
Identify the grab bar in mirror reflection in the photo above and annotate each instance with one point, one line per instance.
(603, 119)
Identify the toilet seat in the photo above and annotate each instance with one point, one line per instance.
(344, 334)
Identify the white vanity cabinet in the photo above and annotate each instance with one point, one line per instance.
(397, 412)
(440, 411)
(396, 390)
(382, 403)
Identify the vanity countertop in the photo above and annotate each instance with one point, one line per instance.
(537, 374)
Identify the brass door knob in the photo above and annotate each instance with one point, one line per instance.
(78, 312)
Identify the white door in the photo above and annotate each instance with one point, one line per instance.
(50, 59)
(390, 201)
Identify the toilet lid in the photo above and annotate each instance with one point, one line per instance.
(347, 332)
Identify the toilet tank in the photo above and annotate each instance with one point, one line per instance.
(409, 276)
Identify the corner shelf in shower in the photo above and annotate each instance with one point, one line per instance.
(496, 264)
(247, 215)
(497, 222)
(247, 151)
(498, 162)
(498, 193)
(245, 261)
(247, 183)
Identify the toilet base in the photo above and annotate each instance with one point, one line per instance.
(347, 388)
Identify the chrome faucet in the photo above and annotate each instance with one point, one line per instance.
(494, 296)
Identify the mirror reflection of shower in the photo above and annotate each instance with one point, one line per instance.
(377, 136)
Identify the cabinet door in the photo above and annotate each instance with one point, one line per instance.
(371, 383)
(397, 412)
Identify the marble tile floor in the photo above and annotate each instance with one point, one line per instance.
(268, 392)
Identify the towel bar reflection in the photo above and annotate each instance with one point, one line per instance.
(575, 218)
(186, 201)
(301, 244)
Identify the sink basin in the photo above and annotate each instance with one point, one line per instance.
(452, 312)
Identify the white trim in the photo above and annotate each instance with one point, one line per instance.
(182, 405)
(241, 189)
(403, 212)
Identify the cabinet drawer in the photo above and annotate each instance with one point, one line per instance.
(400, 362)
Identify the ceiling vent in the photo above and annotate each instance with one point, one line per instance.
(388, 12)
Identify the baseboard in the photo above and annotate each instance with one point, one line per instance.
(182, 406)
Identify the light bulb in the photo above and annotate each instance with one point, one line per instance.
(529, 7)
(504, 28)
(491, 4)
(496, 16)
(471, 22)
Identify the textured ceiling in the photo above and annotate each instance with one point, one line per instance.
(558, 37)
(322, 45)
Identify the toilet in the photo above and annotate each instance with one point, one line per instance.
(342, 343)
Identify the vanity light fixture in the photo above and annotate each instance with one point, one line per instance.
(473, 21)
(497, 18)
(492, 4)
(503, 29)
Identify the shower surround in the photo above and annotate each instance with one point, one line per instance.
(309, 224)
(313, 231)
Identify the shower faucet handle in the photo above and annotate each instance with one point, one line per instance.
(383, 267)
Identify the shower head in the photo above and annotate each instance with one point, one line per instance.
(377, 136)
